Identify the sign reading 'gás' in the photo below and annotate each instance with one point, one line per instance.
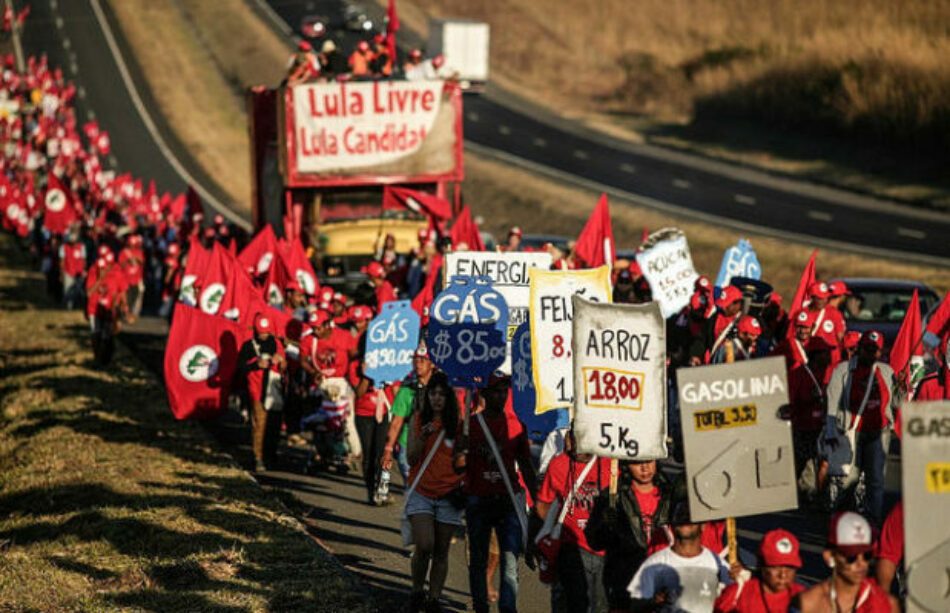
(342, 126)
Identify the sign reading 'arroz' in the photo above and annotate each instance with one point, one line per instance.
(925, 467)
(508, 273)
(739, 458)
(551, 330)
(619, 380)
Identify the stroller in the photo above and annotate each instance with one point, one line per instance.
(328, 426)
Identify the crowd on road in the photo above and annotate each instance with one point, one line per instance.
(111, 245)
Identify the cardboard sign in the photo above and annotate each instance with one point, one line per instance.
(509, 277)
(340, 126)
(739, 458)
(739, 261)
(668, 267)
(925, 468)
(551, 329)
(467, 335)
(391, 341)
(524, 394)
(619, 380)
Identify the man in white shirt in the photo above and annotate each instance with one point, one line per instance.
(684, 578)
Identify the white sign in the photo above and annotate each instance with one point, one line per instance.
(668, 267)
(925, 468)
(552, 331)
(509, 276)
(619, 380)
(739, 458)
(340, 126)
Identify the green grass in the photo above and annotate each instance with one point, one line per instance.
(107, 503)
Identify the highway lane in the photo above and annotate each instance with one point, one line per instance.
(74, 34)
(500, 125)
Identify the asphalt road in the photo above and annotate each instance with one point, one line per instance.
(512, 130)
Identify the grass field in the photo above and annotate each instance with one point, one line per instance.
(107, 503)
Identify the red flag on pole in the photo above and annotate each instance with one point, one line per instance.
(465, 231)
(60, 206)
(907, 343)
(392, 26)
(194, 203)
(260, 252)
(398, 198)
(595, 246)
(801, 292)
(200, 361)
(216, 275)
(300, 268)
(939, 322)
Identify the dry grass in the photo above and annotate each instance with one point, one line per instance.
(107, 503)
(504, 196)
(200, 56)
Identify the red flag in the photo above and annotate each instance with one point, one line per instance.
(907, 342)
(939, 322)
(200, 361)
(808, 277)
(392, 26)
(399, 198)
(465, 230)
(177, 207)
(60, 206)
(191, 280)
(277, 279)
(300, 268)
(595, 246)
(216, 276)
(260, 252)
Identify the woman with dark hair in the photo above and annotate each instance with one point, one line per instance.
(434, 503)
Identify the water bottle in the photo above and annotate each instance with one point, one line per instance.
(382, 490)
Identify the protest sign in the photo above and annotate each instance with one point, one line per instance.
(391, 341)
(925, 468)
(523, 393)
(551, 329)
(619, 380)
(738, 449)
(668, 267)
(467, 331)
(509, 277)
(739, 261)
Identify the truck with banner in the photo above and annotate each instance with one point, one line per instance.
(341, 164)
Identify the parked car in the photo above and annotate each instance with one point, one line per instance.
(536, 242)
(880, 304)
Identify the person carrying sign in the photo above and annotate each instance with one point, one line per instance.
(571, 484)
(861, 403)
(719, 328)
(626, 529)
(407, 401)
(434, 502)
(774, 587)
(848, 554)
(743, 346)
(495, 500)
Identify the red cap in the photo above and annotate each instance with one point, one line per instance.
(838, 288)
(729, 294)
(374, 269)
(819, 289)
(514, 229)
(775, 297)
(805, 319)
(850, 534)
(851, 339)
(415, 54)
(174, 249)
(326, 294)
(363, 46)
(702, 284)
(779, 548)
(293, 285)
(379, 39)
(438, 60)
(361, 313)
(423, 234)
(262, 323)
(422, 351)
(635, 271)
(318, 318)
(339, 297)
(872, 337)
(749, 325)
(218, 220)
(209, 232)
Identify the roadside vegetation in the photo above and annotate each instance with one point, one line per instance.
(108, 503)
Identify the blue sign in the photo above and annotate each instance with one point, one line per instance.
(391, 341)
(468, 325)
(738, 261)
(523, 395)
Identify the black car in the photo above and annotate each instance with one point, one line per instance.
(880, 304)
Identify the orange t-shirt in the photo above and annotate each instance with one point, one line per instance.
(440, 477)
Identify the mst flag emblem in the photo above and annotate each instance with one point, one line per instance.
(211, 298)
(55, 200)
(263, 264)
(307, 282)
(198, 363)
(187, 293)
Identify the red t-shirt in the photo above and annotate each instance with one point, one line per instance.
(134, 272)
(874, 418)
(751, 597)
(828, 325)
(891, 544)
(793, 352)
(333, 353)
(872, 599)
(384, 293)
(808, 413)
(73, 259)
(365, 405)
(440, 477)
(563, 473)
(484, 475)
(648, 503)
(930, 389)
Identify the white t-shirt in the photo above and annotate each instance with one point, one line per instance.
(691, 583)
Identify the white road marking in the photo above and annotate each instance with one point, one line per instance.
(66, 43)
(539, 142)
(91, 114)
(682, 183)
(150, 125)
(113, 161)
(81, 91)
(820, 215)
(911, 233)
(72, 57)
(59, 22)
(52, 4)
(17, 45)
(581, 155)
(743, 199)
(504, 130)
(73, 68)
(630, 168)
(472, 116)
